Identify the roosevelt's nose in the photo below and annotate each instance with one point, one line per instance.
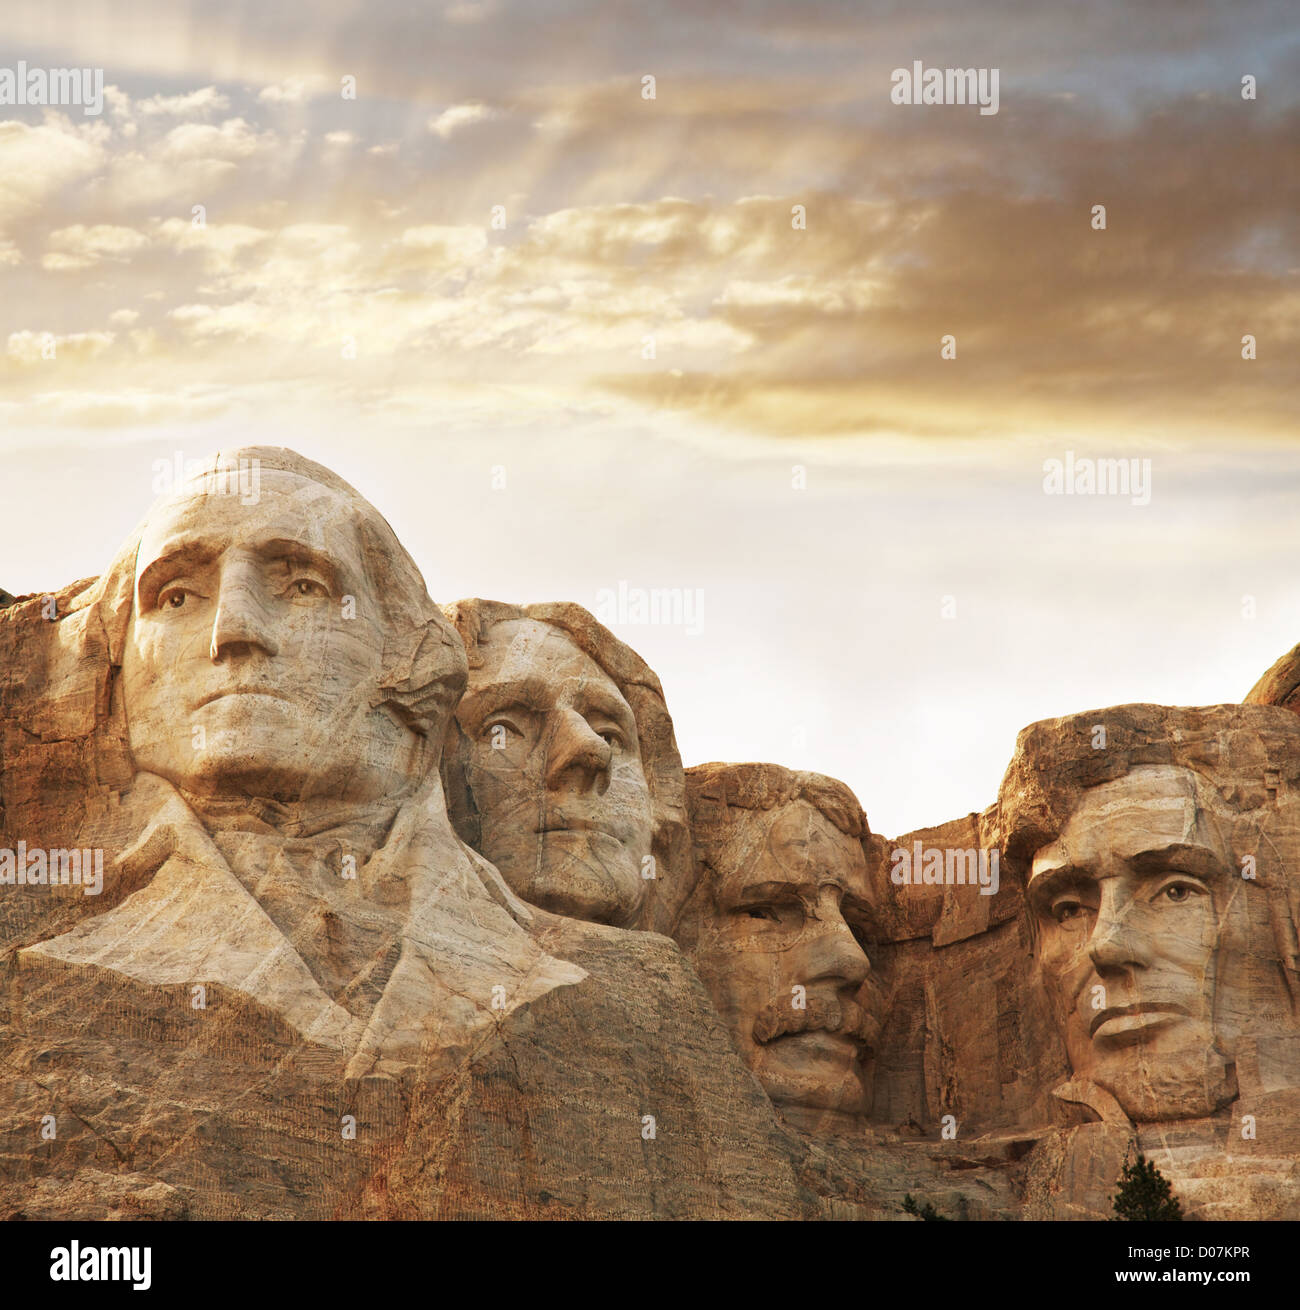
(242, 622)
(1116, 941)
(833, 953)
(576, 756)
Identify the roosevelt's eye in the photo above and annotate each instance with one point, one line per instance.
(1068, 911)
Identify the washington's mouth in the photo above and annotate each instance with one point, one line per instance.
(1123, 1020)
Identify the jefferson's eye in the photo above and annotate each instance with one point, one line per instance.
(612, 736)
(490, 727)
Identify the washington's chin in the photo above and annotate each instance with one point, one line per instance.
(578, 874)
(240, 767)
(238, 775)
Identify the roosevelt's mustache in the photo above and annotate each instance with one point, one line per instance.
(823, 1014)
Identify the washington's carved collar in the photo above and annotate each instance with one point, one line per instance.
(362, 827)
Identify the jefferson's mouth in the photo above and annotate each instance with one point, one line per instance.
(1120, 1020)
(575, 825)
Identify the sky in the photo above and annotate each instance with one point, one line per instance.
(566, 336)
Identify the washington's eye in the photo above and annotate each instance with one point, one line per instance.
(307, 587)
(173, 598)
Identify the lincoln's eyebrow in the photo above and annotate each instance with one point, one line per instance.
(1062, 878)
(1180, 857)
(175, 557)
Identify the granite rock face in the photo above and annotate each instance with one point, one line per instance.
(320, 901)
(1159, 851)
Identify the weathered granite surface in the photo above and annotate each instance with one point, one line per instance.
(318, 900)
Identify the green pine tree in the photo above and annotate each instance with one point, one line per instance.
(925, 1211)
(1144, 1193)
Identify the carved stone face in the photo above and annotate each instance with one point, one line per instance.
(554, 771)
(778, 945)
(1129, 903)
(247, 669)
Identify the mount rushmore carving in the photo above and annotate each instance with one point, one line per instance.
(412, 911)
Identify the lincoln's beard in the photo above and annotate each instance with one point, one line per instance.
(1182, 1074)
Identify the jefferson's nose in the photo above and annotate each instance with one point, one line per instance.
(242, 622)
(575, 755)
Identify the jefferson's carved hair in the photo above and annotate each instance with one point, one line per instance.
(660, 761)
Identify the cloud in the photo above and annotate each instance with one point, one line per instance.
(79, 246)
(458, 116)
(45, 348)
(37, 162)
(291, 92)
(448, 243)
(232, 140)
(194, 104)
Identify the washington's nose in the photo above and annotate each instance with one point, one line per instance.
(1116, 943)
(241, 623)
(576, 755)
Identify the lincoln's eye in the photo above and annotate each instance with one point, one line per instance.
(762, 912)
(1067, 911)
